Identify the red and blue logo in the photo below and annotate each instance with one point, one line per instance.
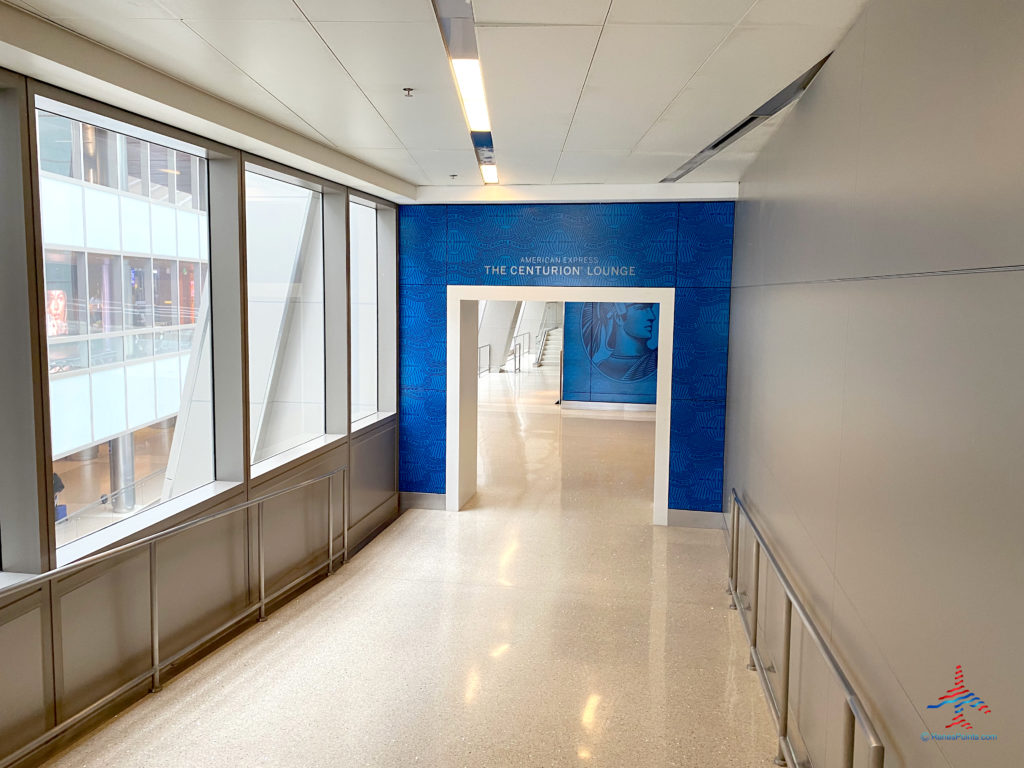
(961, 697)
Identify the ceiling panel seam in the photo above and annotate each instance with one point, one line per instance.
(583, 88)
(696, 72)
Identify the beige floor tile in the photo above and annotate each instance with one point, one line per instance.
(547, 624)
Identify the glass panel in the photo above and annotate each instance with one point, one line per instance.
(73, 356)
(120, 436)
(106, 351)
(284, 241)
(139, 345)
(165, 342)
(106, 313)
(165, 292)
(159, 172)
(99, 156)
(56, 144)
(65, 293)
(135, 162)
(138, 285)
(187, 291)
(183, 165)
(363, 270)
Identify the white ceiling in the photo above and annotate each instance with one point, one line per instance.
(580, 91)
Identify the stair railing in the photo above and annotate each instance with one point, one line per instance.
(853, 713)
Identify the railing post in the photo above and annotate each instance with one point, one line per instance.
(734, 551)
(753, 604)
(344, 513)
(261, 556)
(330, 525)
(154, 619)
(787, 637)
(846, 748)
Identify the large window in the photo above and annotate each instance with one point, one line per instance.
(363, 267)
(127, 321)
(285, 274)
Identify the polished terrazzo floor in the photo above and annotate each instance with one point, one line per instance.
(547, 624)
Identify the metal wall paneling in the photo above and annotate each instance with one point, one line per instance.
(104, 625)
(373, 469)
(204, 578)
(26, 696)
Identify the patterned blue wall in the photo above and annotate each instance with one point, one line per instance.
(688, 245)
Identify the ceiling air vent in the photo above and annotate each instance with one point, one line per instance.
(775, 104)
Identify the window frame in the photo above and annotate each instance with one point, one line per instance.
(387, 309)
(223, 165)
(334, 202)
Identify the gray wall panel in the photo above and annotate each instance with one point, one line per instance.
(295, 531)
(203, 576)
(874, 424)
(104, 629)
(22, 694)
(373, 471)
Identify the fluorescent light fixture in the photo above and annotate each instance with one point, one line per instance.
(470, 80)
(490, 173)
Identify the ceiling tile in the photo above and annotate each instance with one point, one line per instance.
(676, 12)
(835, 13)
(637, 72)
(108, 10)
(533, 77)
(752, 65)
(290, 60)
(233, 9)
(187, 57)
(383, 58)
(440, 164)
(647, 168)
(368, 10)
(526, 166)
(397, 162)
(587, 167)
(590, 12)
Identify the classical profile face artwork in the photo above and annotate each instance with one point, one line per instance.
(621, 339)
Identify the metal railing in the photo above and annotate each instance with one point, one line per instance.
(542, 342)
(854, 712)
(150, 543)
(481, 369)
(523, 339)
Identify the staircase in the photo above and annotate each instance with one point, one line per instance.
(551, 348)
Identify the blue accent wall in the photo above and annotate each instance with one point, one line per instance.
(686, 245)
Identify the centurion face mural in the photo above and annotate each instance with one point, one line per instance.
(621, 339)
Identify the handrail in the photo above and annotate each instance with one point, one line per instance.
(854, 711)
(480, 370)
(542, 340)
(524, 334)
(150, 542)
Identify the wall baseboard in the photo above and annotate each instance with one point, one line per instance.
(692, 518)
(410, 500)
(584, 405)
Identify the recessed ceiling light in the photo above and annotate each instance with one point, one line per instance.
(470, 80)
(490, 173)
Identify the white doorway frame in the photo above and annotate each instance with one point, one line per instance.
(460, 423)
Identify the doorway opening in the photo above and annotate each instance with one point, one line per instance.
(465, 364)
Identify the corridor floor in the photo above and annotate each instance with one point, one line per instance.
(547, 624)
